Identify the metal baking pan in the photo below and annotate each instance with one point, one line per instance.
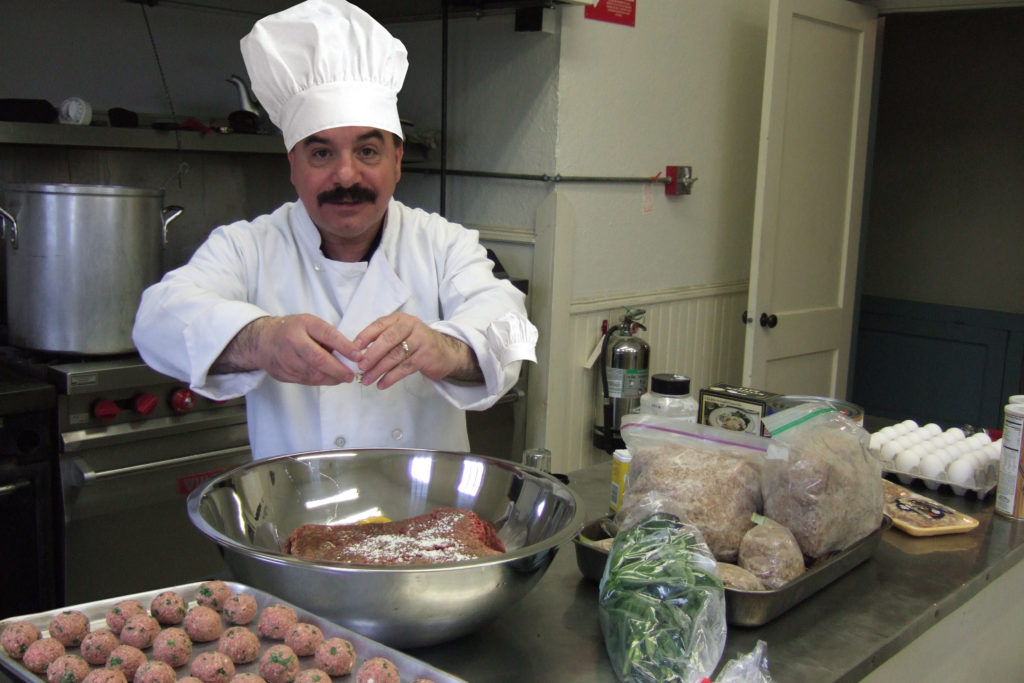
(409, 667)
(752, 608)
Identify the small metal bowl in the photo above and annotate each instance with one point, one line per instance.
(251, 510)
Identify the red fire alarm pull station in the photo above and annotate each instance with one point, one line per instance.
(680, 180)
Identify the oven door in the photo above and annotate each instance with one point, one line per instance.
(126, 525)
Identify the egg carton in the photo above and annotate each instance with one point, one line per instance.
(984, 482)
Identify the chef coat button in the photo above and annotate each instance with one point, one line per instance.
(340, 442)
(397, 434)
(316, 267)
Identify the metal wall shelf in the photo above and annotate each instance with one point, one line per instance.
(104, 137)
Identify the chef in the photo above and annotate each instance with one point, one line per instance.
(346, 318)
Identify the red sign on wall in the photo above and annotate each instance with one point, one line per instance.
(614, 11)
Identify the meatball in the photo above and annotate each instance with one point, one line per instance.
(97, 646)
(279, 664)
(69, 627)
(336, 656)
(155, 671)
(67, 669)
(189, 679)
(203, 624)
(241, 608)
(41, 654)
(17, 636)
(313, 676)
(276, 620)
(378, 670)
(105, 676)
(304, 638)
(213, 594)
(168, 608)
(213, 667)
(240, 644)
(248, 678)
(127, 659)
(119, 613)
(172, 646)
(139, 631)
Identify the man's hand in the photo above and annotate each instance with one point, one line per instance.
(291, 348)
(399, 344)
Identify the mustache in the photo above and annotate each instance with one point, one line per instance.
(339, 194)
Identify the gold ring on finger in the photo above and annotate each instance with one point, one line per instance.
(405, 349)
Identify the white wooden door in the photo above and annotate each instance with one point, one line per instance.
(810, 185)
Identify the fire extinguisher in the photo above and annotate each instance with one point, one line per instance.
(625, 366)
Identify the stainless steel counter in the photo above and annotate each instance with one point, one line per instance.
(841, 633)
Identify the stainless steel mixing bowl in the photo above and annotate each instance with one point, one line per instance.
(251, 510)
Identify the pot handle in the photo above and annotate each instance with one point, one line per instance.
(8, 218)
(169, 213)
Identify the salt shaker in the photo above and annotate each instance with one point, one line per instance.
(539, 458)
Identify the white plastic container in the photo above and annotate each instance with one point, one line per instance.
(670, 397)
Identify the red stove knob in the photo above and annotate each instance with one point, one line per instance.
(105, 410)
(182, 400)
(144, 404)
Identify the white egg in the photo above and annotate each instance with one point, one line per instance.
(876, 441)
(980, 438)
(945, 455)
(908, 425)
(907, 461)
(961, 471)
(956, 433)
(889, 450)
(931, 466)
(962, 446)
(931, 429)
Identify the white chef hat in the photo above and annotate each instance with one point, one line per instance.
(323, 64)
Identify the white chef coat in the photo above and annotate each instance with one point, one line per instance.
(425, 266)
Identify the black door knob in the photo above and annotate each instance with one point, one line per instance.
(769, 320)
(746, 319)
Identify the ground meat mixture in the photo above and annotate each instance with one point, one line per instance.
(336, 656)
(203, 624)
(119, 613)
(279, 664)
(155, 671)
(240, 644)
(17, 636)
(97, 646)
(172, 646)
(139, 631)
(276, 620)
(168, 608)
(304, 639)
(213, 667)
(69, 627)
(213, 594)
(127, 659)
(67, 669)
(378, 670)
(241, 608)
(444, 535)
(41, 654)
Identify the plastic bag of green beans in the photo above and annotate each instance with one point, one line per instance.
(662, 605)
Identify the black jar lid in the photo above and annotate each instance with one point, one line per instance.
(670, 385)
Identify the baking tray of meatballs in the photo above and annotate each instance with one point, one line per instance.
(211, 631)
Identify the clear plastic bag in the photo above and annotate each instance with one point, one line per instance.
(706, 475)
(770, 552)
(661, 604)
(749, 668)
(823, 484)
